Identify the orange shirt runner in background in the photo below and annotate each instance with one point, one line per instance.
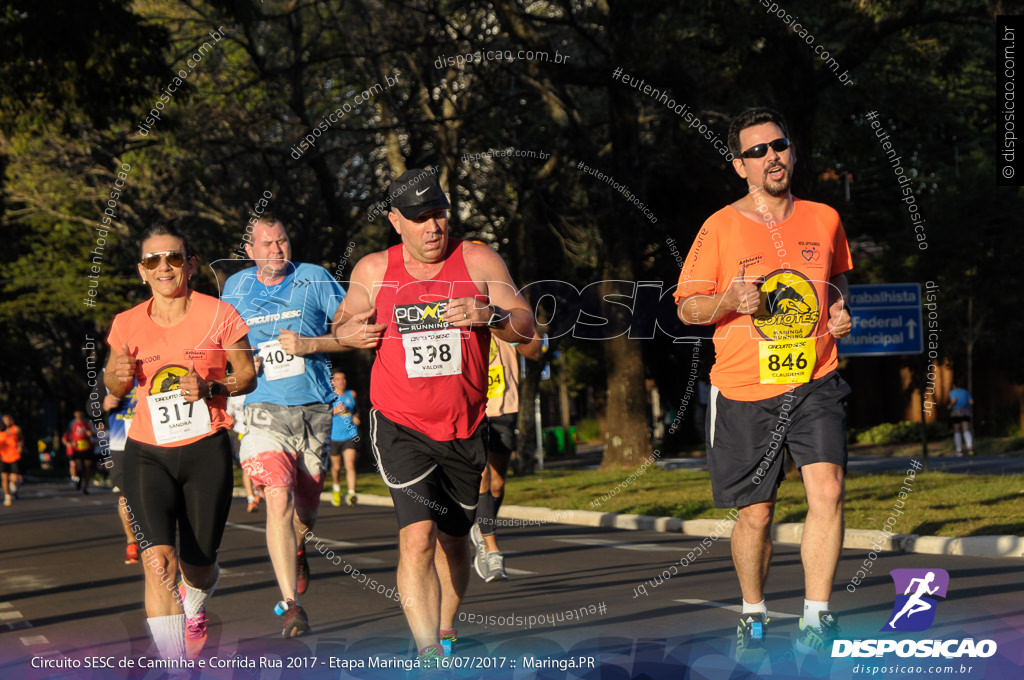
(9, 444)
(163, 356)
(795, 259)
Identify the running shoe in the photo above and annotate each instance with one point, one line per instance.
(351, 498)
(336, 498)
(750, 633)
(295, 621)
(496, 567)
(448, 638)
(131, 553)
(817, 639)
(195, 633)
(301, 573)
(480, 563)
(429, 655)
(7, 501)
(254, 504)
(475, 534)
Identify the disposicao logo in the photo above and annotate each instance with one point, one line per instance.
(914, 610)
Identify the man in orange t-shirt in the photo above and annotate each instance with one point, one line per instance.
(768, 272)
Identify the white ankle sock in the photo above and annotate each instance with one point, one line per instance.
(168, 633)
(195, 599)
(756, 608)
(812, 609)
(337, 487)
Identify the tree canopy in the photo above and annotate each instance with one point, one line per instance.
(205, 108)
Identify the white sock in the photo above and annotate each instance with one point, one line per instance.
(757, 608)
(168, 633)
(195, 599)
(958, 440)
(812, 609)
(351, 490)
(249, 499)
(969, 441)
(337, 487)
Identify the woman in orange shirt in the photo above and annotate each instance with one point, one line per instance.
(175, 348)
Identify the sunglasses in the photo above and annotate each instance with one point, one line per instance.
(173, 257)
(759, 151)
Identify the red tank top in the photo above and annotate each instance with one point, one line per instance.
(429, 375)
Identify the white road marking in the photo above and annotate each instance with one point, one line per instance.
(622, 545)
(33, 640)
(311, 545)
(519, 572)
(735, 608)
(357, 560)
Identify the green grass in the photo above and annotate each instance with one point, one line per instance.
(941, 504)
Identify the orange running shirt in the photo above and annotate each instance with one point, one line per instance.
(9, 444)
(796, 258)
(163, 356)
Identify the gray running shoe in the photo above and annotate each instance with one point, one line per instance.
(480, 561)
(496, 567)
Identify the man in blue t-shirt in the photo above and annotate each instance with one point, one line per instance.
(344, 440)
(291, 309)
(960, 403)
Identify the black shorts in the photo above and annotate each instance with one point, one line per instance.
(954, 420)
(429, 480)
(180, 489)
(338, 447)
(115, 467)
(10, 468)
(745, 439)
(501, 434)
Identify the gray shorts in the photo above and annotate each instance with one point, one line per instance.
(301, 432)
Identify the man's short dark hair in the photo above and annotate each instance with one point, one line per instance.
(269, 218)
(750, 118)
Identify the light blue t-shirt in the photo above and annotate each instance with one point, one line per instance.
(341, 425)
(959, 399)
(304, 302)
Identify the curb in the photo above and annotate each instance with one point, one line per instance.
(788, 533)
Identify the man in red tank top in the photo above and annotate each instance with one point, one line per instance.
(429, 307)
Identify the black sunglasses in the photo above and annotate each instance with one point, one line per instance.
(759, 151)
(152, 260)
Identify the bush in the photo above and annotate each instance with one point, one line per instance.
(589, 430)
(904, 432)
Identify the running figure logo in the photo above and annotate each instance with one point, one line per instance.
(913, 611)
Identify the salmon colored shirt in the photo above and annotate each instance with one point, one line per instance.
(163, 356)
(796, 258)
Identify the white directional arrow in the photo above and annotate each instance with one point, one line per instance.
(910, 326)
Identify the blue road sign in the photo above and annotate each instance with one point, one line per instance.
(886, 320)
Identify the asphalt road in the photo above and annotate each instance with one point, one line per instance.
(622, 599)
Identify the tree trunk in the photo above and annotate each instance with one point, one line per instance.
(627, 439)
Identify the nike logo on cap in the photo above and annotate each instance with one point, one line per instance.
(425, 190)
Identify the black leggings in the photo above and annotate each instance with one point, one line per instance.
(186, 488)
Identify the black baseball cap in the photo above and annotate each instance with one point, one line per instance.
(416, 192)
